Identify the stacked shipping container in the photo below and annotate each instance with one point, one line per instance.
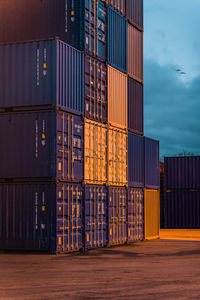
(182, 192)
(72, 125)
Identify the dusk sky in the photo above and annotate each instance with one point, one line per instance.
(172, 99)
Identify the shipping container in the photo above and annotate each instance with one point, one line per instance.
(95, 90)
(135, 215)
(117, 157)
(182, 172)
(135, 53)
(95, 207)
(152, 164)
(117, 219)
(135, 106)
(30, 20)
(119, 5)
(162, 195)
(134, 12)
(117, 40)
(42, 216)
(117, 98)
(135, 160)
(42, 73)
(182, 209)
(95, 162)
(152, 213)
(95, 27)
(43, 143)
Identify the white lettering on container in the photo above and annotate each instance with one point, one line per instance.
(38, 67)
(36, 210)
(36, 138)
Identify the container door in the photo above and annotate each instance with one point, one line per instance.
(69, 218)
(117, 216)
(95, 153)
(95, 216)
(95, 90)
(117, 157)
(69, 147)
(95, 18)
(135, 215)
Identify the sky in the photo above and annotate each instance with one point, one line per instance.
(172, 100)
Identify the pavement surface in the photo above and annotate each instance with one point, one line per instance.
(180, 234)
(156, 269)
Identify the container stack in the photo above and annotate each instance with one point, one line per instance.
(74, 160)
(182, 192)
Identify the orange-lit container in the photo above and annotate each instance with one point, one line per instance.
(95, 146)
(135, 53)
(117, 157)
(117, 98)
(152, 213)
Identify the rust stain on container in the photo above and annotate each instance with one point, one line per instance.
(135, 53)
(95, 152)
(117, 98)
(152, 213)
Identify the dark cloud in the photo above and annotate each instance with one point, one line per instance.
(172, 109)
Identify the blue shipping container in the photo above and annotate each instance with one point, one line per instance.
(135, 160)
(41, 216)
(95, 207)
(117, 40)
(135, 215)
(182, 172)
(50, 19)
(152, 164)
(117, 219)
(42, 73)
(43, 143)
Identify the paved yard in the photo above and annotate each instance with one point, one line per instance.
(180, 234)
(149, 270)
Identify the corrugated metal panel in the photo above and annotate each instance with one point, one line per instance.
(118, 5)
(117, 157)
(152, 164)
(95, 152)
(69, 217)
(152, 213)
(135, 53)
(135, 215)
(135, 107)
(28, 216)
(135, 160)
(117, 98)
(41, 144)
(95, 90)
(117, 226)
(49, 72)
(95, 216)
(41, 216)
(182, 209)
(117, 40)
(134, 12)
(95, 27)
(182, 172)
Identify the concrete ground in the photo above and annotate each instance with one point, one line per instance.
(180, 234)
(149, 270)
